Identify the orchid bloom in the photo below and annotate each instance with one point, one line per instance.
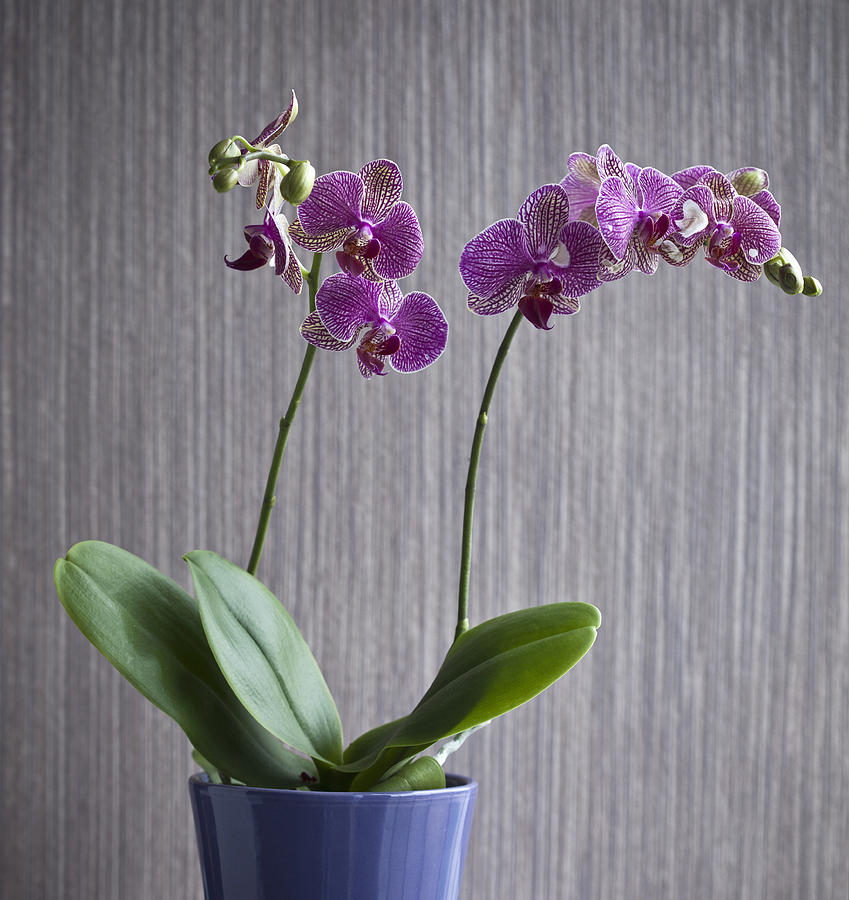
(379, 235)
(539, 261)
(263, 170)
(739, 232)
(268, 244)
(410, 331)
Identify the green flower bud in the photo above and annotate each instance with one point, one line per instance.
(297, 184)
(225, 180)
(812, 286)
(224, 149)
(771, 268)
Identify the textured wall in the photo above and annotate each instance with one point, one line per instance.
(676, 454)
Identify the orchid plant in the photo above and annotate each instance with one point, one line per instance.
(230, 665)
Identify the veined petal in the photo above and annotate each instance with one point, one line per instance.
(612, 269)
(544, 213)
(748, 181)
(508, 296)
(401, 244)
(644, 260)
(581, 184)
(563, 305)
(249, 173)
(268, 173)
(382, 186)
(317, 243)
(423, 331)
(314, 332)
(333, 204)
(609, 165)
(633, 171)
(660, 192)
(616, 213)
(692, 215)
(677, 254)
(582, 244)
(277, 228)
(745, 270)
(769, 205)
(760, 239)
(345, 304)
(277, 126)
(690, 176)
(389, 299)
(495, 257)
(723, 195)
(293, 275)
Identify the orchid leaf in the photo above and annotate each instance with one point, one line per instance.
(149, 628)
(265, 658)
(490, 669)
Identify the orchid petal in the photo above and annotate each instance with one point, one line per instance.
(544, 213)
(317, 243)
(612, 269)
(688, 177)
(582, 244)
(565, 306)
(502, 300)
(401, 244)
(277, 228)
(769, 205)
(741, 269)
(760, 239)
(644, 260)
(293, 276)
(660, 192)
(333, 204)
(423, 331)
(676, 254)
(345, 304)
(633, 171)
(723, 195)
(249, 172)
(495, 258)
(389, 300)
(277, 126)
(609, 165)
(314, 332)
(382, 185)
(692, 215)
(581, 184)
(616, 213)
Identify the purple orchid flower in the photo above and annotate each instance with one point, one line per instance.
(749, 181)
(539, 261)
(268, 244)
(738, 234)
(378, 234)
(632, 209)
(264, 171)
(410, 331)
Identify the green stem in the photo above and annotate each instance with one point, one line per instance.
(269, 499)
(472, 477)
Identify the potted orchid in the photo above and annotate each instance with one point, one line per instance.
(284, 807)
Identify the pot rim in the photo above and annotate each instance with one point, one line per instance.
(460, 784)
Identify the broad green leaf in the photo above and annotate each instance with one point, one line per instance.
(149, 628)
(491, 669)
(264, 657)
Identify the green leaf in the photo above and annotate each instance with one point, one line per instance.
(490, 669)
(422, 774)
(264, 657)
(149, 628)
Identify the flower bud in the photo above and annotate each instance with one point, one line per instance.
(297, 184)
(812, 286)
(223, 150)
(225, 180)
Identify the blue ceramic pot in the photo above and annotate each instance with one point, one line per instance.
(266, 844)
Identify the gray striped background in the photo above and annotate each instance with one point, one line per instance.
(676, 454)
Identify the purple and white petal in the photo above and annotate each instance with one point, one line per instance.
(268, 174)
(293, 276)
(612, 269)
(760, 239)
(382, 186)
(249, 172)
(575, 261)
(769, 205)
(563, 305)
(423, 331)
(544, 213)
(692, 215)
(314, 332)
(345, 304)
(508, 296)
(741, 269)
(633, 171)
(644, 260)
(692, 175)
(401, 244)
(723, 195)
(333, 204)
(581, 184)
(616, 212)
(496, 257)
(317, 243)
(277, 228)
(660, 192)
(609, 165)
(748, 181)
(677, 254)
(277, 126)
(389, 300)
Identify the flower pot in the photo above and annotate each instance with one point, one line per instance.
(266, 844)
